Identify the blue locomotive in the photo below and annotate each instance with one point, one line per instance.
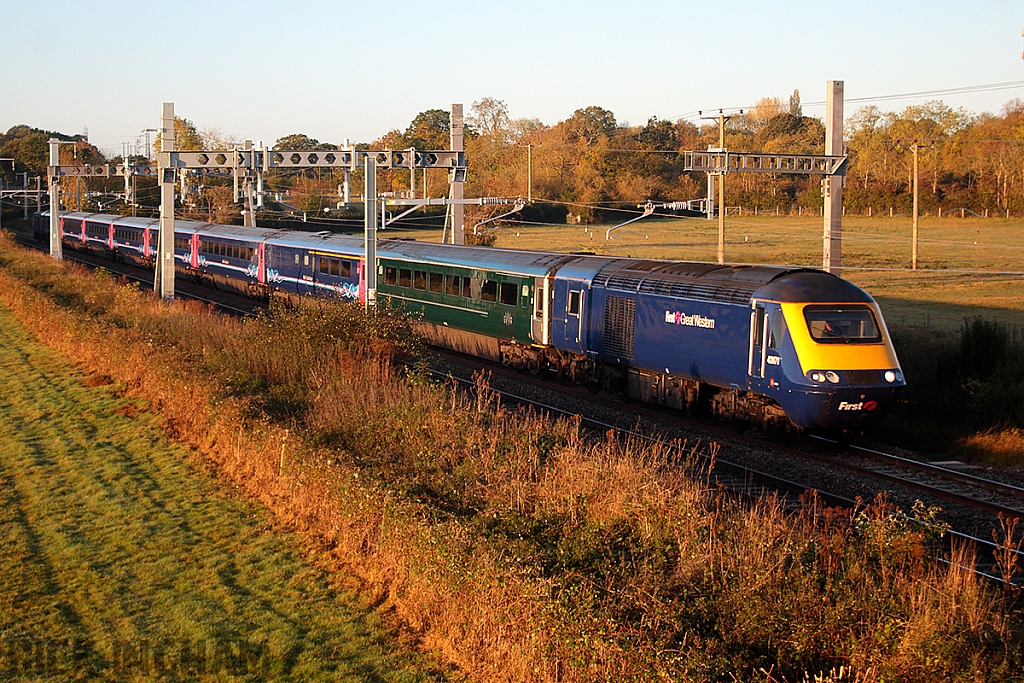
(776, 346)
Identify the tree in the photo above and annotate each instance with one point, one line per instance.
(186, 137)
(489, 118)
(303, 142)
(430, 129)
(794, 104)
(588, 125)
(658, 134)
(30, 147)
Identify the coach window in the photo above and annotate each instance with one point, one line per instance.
(489, 291)
(508, 293)
(572, 306)
(466, 287)
(305, 259)
(404, 277)
(346, 269)
(436, 282)
(452, 285)
(335, 267)
(419, 279)
(390, 276)
(325, 265)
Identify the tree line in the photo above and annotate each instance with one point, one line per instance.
(590, 165)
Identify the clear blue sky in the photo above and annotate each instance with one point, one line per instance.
(337, 70)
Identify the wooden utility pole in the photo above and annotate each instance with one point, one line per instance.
(722, 118)
(915, 147)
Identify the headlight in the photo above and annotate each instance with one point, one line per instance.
(816, 376)
(890, 376)
(832, 377)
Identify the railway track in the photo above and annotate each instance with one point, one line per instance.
(990, 496)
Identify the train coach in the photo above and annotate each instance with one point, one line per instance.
(779, 347)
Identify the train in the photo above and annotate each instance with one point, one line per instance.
(782, 348)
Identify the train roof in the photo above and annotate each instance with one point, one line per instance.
(734, 284)
(89, 215)
(138, 222)
(812, 286)
(326, 241)
(529, 263)
(237, 232)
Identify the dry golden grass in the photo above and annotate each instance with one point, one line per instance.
(514, 546)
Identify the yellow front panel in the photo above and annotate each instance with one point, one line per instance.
(815, 356)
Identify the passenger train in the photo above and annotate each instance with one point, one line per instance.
(776, 346)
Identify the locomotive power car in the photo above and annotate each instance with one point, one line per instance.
(780, 347)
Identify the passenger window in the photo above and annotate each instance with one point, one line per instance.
(404, 278)
(335, 267)
(305, 259)
(390, 276)
(419, 280)
(509, 293)
(346, 269)
(466, 291)
(325, 266)
(489, 291)
(573, 304)
(436, 282)
(452, 285)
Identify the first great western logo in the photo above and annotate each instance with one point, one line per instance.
(695, 320)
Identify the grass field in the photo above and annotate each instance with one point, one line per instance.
(120, 560)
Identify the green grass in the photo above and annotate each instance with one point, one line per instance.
(120, 558)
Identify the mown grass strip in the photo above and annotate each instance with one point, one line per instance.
(120, 558)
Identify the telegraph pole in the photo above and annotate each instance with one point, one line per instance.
(913, 257)
(722, 118)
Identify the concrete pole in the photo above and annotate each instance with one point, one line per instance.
(913, 259)
(412, 173)
(458, 183)
(56, 248)
(832, 186)
(529, 173)
(164, 283)
(24, 198)
(370, 230)
(709, 205)
(721, 191)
